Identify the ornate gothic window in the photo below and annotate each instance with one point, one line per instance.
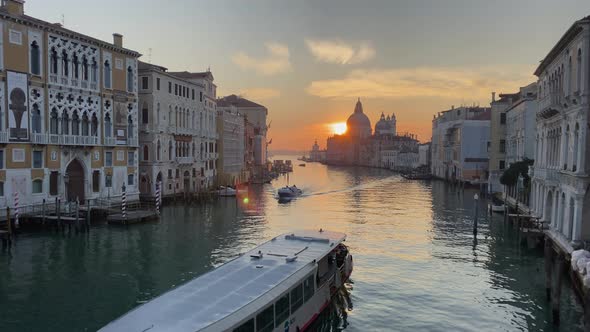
(107, 74)
(53, 122)
(76, 66)
(107, 126)
(35, 59)
(53, 61)
(85, 68)
(94, 71)
(36, 119)
(129, 79)
(94, 125)
(170, 150)
(85, 124)
(64, 63)
(65, 123)
(75, 124)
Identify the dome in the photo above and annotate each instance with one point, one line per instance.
(358, 123)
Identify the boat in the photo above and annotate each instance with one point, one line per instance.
(281, 285)
(302, 165)
(497, 208)
(289, 192)
(226, 191)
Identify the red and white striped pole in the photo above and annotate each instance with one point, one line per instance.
(16, 210)
(158, 197)
(124, 204)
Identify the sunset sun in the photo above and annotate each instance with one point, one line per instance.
(338, 128)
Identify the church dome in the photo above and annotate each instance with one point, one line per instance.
(358, 124)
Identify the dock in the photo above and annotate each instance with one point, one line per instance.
(132, 217)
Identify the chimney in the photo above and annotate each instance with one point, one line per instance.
(493, 97)
(118, 40)
(15, 7)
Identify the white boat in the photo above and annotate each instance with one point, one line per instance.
(281, 285)
(289, 192)
(497, 208)
(226, 191)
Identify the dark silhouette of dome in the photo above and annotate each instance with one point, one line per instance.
(358, 124)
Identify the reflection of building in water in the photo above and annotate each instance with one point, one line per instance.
(383, 148)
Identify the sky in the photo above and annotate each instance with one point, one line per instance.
(308, 61)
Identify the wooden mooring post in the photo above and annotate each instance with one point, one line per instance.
(88, 215)
(548, 250)
(77, 226)
(7, 239)
(43, 213)
(556, 291)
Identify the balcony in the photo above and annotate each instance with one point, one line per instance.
(77, 140)
(550, 105)
(38, 138)
(3, 137)
(133, 141)
(109, 141)
(185, 160)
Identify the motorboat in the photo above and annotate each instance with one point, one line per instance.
(498, 208)
(302, 165)
(226, 191)
(289, 192)
(281, 285)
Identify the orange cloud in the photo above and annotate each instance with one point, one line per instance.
(276, 62)
(260, 93)
(452, 83)
(340, 52)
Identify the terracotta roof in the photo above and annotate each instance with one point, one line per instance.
(237, 101)
(189, 75)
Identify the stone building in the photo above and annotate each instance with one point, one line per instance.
(460, 138)
(68, 106)
(231, 168)
(172, 150)
(497, 148)
(561, 178)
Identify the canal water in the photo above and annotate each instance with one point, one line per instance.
(417, 266)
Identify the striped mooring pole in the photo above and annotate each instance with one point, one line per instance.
(158, 197)
(16, 210)
(124, 204)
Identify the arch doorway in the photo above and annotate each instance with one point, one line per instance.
(144, 185)
(75, 181)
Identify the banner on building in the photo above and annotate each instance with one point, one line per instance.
(18, 106)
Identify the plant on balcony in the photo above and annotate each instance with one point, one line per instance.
(510, 175)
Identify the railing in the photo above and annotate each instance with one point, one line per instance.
(132, 141)
(74, 82)
(38, 138)
(84, 84)
(64, 80)
(66, 139)
(109, 141)
(3, 137)
(53, 78)
(185, 160)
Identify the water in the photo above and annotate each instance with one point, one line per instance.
(417, 266)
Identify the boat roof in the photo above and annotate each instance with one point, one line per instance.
(236, 290)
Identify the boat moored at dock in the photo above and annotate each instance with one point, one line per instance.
(281, 285)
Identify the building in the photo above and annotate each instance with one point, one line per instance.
(360, 147)
(561, 171)
(460, 138)
(424, 155)
(255, 116)
(171, 149)
(231, 144)
(68, 106)
(207, 122)
(521, 125)
(497, 148)
(316, 154)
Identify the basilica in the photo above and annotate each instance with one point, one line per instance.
(361, 146)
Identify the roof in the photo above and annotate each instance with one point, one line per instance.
(237, 101)
(147, 66)
(235, 290)
(569, 35)
(58, 28)
(192, 75)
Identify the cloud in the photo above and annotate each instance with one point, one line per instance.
(340, 52)
(474, 84)
(260, 93)
(276, 62)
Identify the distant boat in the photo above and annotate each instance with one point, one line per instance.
(417, 176)
(226, 191)
(289, 192)
(302, 165)
(281, 285)
(497, 208)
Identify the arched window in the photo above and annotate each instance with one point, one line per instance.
(145, 114)
(76, 65)
(107, 74)
(94, 125)
(570, 75)
(146, 153)
(35, 59)
(170, 150)
(53, 122)
(75, 124)
(566, 154)
(194, 150)
(159, 151)
(169, 115)
(64, 63)
(94, 71)
(36, 119)
(65, 123)
(84, 68)
(85, 124)
(107, 126)
(579, 71)
(129, 127)
(158, 113)
(129, 79)
(53, 61)
(575, 147)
